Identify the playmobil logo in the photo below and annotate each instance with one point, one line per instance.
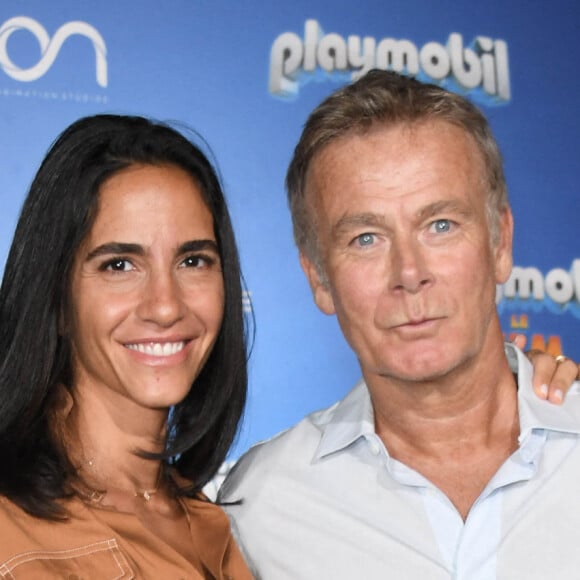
(481, 68)
(528, 288)
(49, 48)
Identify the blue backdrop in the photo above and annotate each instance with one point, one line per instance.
(246, 75)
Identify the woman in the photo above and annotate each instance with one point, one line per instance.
(122, 361)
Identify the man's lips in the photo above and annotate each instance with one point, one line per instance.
(418, 322)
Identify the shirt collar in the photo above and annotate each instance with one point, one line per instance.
(353, 417)
(535, 413)
(350, 419)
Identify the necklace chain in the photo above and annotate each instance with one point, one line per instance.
(146, 494)
(97, 495)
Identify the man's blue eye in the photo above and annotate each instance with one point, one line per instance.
(365, 239)
(442, 226)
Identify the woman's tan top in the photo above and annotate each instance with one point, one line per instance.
(97, 543)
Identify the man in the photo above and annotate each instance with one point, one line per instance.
(440, 463)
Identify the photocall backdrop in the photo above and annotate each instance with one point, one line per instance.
(246, 75)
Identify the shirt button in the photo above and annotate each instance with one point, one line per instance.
(374, 446)
(527, 455)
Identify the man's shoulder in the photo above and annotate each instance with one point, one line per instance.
(288, 450)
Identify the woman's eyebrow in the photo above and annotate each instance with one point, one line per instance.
(115, 248)
(123, 248)
(197, 245)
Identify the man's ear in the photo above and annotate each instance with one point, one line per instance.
(503, 247)
(320, 290)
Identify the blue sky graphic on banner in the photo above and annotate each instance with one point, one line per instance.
(245, 75)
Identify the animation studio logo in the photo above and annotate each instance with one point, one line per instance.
(482, 68)
(49, 48)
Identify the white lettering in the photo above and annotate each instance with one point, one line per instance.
(559, 285)
(523, 282)
(464, 63)
(502, 70)
(435, 61)
(312, 34)
(285, 59)
(484, 65)
(362, 62)
(488, 67)
(397, 55)
(576, 277)
(331, 53)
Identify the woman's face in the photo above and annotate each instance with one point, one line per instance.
(147, 292)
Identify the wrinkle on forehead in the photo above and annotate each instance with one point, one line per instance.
(412, 144)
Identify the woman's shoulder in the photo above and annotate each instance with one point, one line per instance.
(20, 531)
(13, 516)
(197, 505)
(210, 527)
(18, 527)
(202, 508)
(33, 547)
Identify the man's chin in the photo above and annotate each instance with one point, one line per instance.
(420, 370)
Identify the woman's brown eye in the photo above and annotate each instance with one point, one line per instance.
(117, 265)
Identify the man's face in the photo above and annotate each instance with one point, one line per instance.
(405, 247)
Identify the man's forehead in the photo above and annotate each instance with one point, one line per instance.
(329, 161)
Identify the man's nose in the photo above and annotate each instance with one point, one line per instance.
(409, 266)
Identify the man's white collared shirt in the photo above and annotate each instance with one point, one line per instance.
(325, 500)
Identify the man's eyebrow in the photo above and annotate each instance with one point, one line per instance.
(348, 222)
(444, 206)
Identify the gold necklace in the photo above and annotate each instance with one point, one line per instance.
(146, 494)
(97, 495)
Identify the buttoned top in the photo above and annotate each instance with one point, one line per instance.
(325, 500)
(98, 543)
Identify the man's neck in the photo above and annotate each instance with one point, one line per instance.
(455, 430)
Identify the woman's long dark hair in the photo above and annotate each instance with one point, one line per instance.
(35, 359)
